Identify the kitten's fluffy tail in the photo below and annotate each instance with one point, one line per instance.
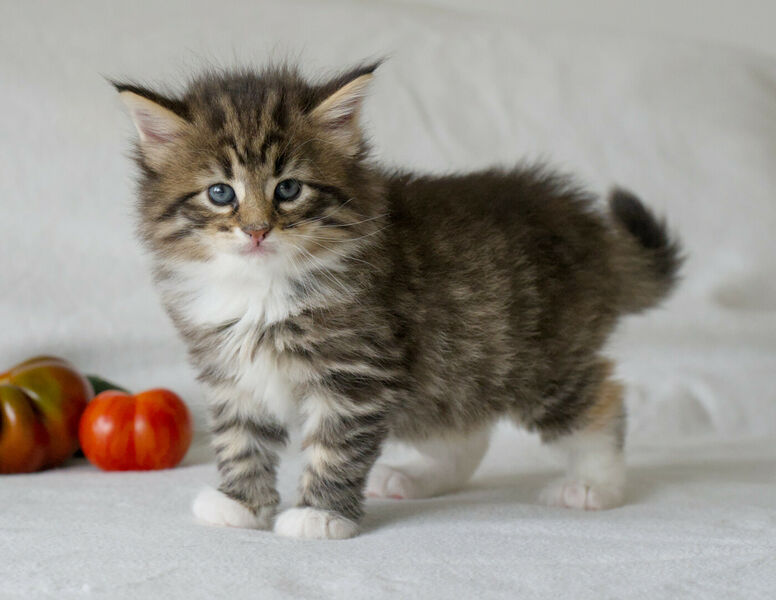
(650, 259)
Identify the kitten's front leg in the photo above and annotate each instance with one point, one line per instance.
(341, 449)
(246, 450)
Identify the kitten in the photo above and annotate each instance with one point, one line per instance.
(313, 287)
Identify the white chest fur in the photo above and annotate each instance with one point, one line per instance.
(253, 295)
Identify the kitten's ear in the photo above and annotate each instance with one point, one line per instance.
(339, 110)
(157, 120)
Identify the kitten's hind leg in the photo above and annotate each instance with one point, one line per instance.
(429, 468)
(595, 476)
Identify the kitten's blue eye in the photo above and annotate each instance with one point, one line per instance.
(288, 189)
(221, 194)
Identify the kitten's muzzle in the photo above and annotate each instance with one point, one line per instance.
(257, 233)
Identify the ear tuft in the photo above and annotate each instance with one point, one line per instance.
(157, 124)
(339, 110)
(172, 104)
(342, 107)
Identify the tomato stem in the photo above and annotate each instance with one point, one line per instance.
(100, 385)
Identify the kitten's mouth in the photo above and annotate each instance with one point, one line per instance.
(253, 249)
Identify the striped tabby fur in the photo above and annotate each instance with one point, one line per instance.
(381, 305)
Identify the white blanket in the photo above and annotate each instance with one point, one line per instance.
(689, 127)
(699, 523)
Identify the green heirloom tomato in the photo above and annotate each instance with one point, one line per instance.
(41, 401)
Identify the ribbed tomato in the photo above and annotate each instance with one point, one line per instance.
(41, 401)
(121, 432)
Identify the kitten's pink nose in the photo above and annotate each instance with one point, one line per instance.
(257, 232)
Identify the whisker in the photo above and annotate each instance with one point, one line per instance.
(356, 223)
(345, 256)
(341, 241)
(324, 270)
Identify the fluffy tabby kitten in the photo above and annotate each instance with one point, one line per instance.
(312, 287)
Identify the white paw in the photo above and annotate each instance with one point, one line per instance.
(580, 494)
(215, 507)
(314, 524)
(387, 482)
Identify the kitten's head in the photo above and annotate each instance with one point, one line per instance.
(260, 167)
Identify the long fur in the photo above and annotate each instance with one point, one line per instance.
(392, 303)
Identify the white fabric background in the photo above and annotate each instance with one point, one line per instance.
(691, 127)
(741, 23)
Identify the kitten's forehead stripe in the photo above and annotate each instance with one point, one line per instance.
(226, 166)
(216, 117)
(280, 112)
(227, 141)
(280, 162)
(272, 138)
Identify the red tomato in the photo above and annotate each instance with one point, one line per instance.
(120, 432)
